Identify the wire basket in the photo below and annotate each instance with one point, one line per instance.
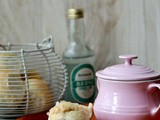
(32, 78)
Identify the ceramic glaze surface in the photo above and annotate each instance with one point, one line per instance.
(128, 71)
(127, 100)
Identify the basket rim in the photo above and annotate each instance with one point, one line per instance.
(45, 44)
(40, 47)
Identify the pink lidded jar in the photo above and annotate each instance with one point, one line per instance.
(127, 92)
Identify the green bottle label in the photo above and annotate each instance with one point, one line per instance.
(83, 83)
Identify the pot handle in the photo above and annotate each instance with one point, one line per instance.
(98, 84)
(155, 109)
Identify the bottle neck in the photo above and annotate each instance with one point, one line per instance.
(76, 30)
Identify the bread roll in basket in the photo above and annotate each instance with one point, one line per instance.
(32, 78)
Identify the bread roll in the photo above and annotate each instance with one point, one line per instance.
(10, 62)
(12, 92)
(12, 88)
(70, 111)
(40, 96)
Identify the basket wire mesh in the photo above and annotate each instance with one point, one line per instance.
(32, 78)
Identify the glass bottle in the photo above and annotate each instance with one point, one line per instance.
(79, 59)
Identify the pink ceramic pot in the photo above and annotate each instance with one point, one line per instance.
(126, 92)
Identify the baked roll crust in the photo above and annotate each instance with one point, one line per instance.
(70, 111)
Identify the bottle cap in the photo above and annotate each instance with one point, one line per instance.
(75, 13)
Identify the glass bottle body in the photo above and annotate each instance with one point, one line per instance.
(79, 60)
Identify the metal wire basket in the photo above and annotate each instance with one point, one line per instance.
(32, 78)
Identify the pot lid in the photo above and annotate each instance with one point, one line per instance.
(128, 71)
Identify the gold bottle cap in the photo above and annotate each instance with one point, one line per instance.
(75, 13)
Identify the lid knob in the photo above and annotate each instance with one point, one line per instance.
(128, 58)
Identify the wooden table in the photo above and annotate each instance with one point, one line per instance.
(40, 116)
